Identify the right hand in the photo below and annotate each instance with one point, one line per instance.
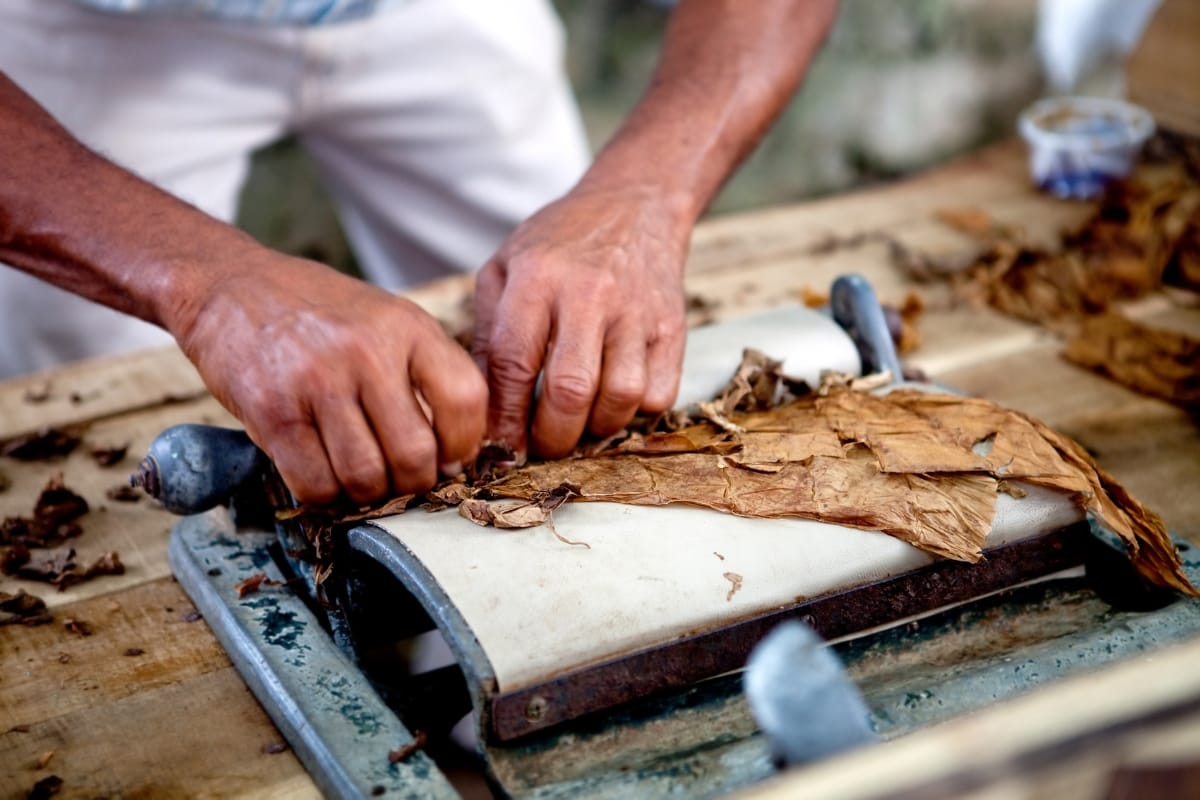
(348, 388)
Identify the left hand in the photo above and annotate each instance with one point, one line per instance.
(589, 293)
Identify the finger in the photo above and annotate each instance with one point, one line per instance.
(295, 448)
(456, 394)
(406, 440)
(352, 447)
(572, 376)
(514, 359)
(622, 381)
(489, 286)
(664, 367)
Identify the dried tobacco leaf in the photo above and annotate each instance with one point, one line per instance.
(535, 511)
(923, 467)
(1159, 363)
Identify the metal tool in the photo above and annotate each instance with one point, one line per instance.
(803, 699)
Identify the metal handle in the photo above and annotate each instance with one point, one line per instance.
(857, 310)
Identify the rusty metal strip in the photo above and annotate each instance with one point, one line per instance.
(703, 655)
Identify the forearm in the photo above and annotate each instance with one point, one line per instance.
(727, 69)
(74, 219)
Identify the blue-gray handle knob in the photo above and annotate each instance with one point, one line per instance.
(192, 468)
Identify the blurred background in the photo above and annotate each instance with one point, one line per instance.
(900, 85)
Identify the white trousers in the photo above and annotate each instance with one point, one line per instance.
(437, 126)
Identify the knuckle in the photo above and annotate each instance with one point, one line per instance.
(625, 392)
(571, 392)
(507, 368)
(311, 489)
(365, 481)
(414, 466)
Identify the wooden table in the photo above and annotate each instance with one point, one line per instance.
(175, 718)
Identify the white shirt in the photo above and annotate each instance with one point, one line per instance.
(273, 12)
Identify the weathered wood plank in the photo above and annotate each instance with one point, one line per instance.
(174, 721)
(137, 531)
(96, 388)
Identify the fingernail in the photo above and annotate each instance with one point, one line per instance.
(452, 470)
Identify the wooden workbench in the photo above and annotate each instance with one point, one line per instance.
(148, 704)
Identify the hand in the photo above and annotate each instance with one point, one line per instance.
(589, 293)
(346, 387)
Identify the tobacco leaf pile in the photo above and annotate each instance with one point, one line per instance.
(1144, 236)
(924, 467)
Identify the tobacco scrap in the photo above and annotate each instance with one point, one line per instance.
(254, 583)
(44, 760)
(108, 456)
(23, 609)
(700, 310)
(53, 520)
(62, 570)
(405, 752)
(45, 788)
(78, 627)
(735, 583)
(41, 445)
(1159, 363)
(123, 493)
(534, 511)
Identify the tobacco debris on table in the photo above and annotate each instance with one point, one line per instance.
(45, 788)
(52, 523)
(1160, 363)
(1143, 237)
(78, 627)
(109, 456)
(41, 445)
(124, 493)
(23, 609)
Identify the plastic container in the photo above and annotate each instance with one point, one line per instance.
(1077, 145)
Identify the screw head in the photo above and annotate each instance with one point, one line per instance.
(536, 708)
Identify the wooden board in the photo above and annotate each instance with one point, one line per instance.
(178, 721)
(173, 721)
